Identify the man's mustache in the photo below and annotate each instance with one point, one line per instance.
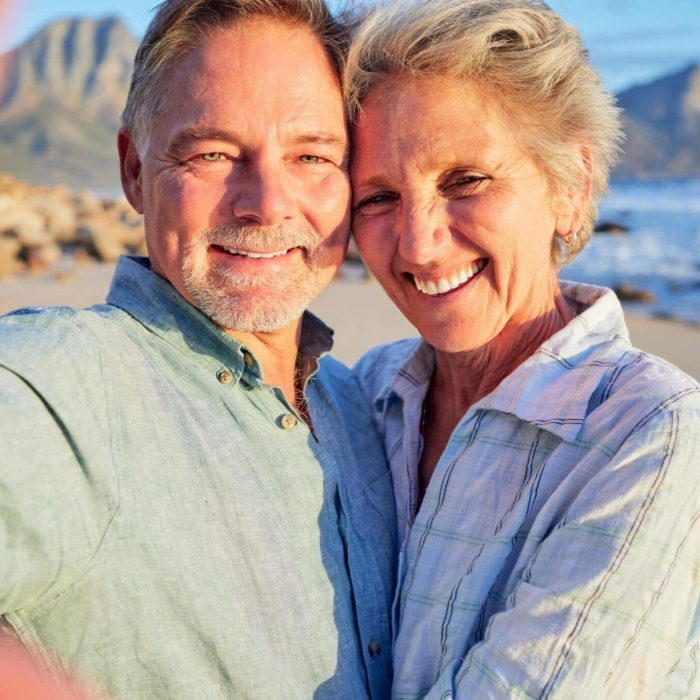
(262, 238)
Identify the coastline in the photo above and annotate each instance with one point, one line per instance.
(357, 309)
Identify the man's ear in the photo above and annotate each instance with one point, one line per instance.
(572, 205)
(130, 169)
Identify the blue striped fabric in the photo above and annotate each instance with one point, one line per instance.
(556, 553)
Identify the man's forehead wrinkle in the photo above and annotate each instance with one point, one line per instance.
(203, 103)
(199, 72)
(200, 122)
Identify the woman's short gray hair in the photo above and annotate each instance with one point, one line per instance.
(180, 26)
(522, 53)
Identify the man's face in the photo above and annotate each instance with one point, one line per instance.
(243, 180)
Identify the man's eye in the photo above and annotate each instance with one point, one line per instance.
(310, 159)
(213, 157)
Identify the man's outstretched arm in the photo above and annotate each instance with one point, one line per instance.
(54, 506)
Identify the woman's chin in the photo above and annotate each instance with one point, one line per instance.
(451, 340)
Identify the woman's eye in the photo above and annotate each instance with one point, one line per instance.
(464, 183)
(213, 157)
(375, 199)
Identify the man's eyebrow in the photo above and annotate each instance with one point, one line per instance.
(320, 139)
(194, 134)
(325, 139)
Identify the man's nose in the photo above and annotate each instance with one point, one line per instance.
(262, 194)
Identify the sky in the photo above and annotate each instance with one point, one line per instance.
(630, 41)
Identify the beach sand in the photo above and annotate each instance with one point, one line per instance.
(358, 310)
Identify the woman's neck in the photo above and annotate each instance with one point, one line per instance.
(463, 378)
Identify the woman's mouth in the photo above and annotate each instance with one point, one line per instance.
(435, 286)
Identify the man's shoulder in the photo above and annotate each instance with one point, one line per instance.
(42, 336)
(57, 318)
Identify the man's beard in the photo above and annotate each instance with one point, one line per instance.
(253, 303)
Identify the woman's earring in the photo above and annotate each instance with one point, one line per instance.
(569, 238)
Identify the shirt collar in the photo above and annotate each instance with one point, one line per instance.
(553, 388)
(413, 372)
(155, 303)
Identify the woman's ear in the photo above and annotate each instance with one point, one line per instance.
(571, 204)
(130, 169)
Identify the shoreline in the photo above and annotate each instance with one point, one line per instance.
(357, 309)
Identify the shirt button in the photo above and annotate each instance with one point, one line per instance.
(374, 647)
(288, 421)
(248, 359)
(224, 376)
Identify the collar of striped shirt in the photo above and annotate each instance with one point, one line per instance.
(549, 389)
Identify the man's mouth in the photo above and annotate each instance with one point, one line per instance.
(448, 283)
(252, 254)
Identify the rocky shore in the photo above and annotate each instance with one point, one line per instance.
(51, 230)
(41, 225)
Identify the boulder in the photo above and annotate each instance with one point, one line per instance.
(611, 227)
(628, 292)
(56, 208)
(39, 258)
(107, 236)
(9, 251)
(45, 222)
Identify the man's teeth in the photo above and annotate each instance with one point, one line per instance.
(249, 254)
(442, 285)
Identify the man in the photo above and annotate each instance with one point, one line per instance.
(187, 509)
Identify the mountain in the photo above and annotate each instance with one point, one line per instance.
(63, 90)
(662, 124)
(61, 97)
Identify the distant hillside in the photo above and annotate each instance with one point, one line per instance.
(662, 123)
(64, 89)
(61, 98)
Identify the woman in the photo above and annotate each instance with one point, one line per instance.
(544, 469)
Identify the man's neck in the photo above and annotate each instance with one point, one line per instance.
(276, 351)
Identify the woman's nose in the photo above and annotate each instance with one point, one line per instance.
(423, 234)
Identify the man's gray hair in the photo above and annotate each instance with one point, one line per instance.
(521, 53)
(180, 26)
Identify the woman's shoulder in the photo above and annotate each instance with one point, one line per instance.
(651, 380)
(376, 371)
(645, 393)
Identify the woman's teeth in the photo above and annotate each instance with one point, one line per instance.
(442, 285)
(249, 254)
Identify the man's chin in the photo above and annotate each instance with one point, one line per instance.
(255, 322)
(254, 303)
(253, 311)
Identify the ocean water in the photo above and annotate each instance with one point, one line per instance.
(661, 252)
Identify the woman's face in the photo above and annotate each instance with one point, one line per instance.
(455, 221)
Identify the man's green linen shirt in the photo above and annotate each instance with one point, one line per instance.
(168, 527)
